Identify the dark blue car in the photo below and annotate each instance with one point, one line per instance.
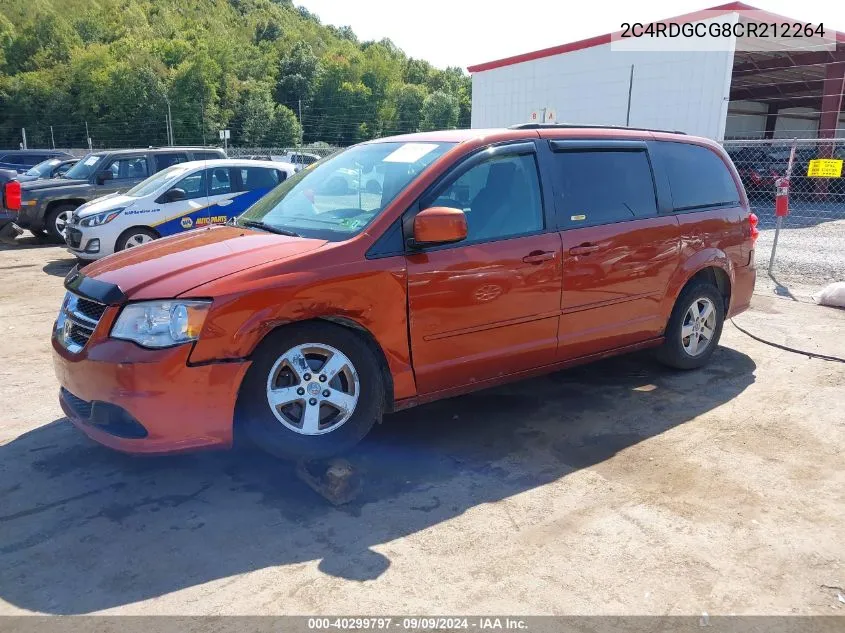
(21, 160)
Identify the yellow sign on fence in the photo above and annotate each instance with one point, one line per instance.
(825, 168)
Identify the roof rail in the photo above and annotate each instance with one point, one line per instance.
(552, 126)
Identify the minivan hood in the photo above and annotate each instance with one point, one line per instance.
(172, 266)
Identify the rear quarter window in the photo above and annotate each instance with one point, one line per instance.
(209, 155)
(698, 177)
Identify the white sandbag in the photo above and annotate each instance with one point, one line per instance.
(832, 295)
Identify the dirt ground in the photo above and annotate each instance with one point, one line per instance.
(618, 488)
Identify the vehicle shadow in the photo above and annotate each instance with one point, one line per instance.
(83, 528)
(26, 241)
(59, 267)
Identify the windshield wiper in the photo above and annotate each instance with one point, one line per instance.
(269, 228)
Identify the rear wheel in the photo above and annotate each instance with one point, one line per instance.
(136, 236)
(57, 220)
(313, 390)
(694, 328)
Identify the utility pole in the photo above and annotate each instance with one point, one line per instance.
(170, 118)
(23, 135)
(301, 127)
(169, 122)
(52, 138)
(630, 89)
(202, 118)
(88, 136)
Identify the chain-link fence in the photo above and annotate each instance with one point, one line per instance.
(808, 249)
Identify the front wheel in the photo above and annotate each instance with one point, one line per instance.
(694, 328)
(135, 236)
(314, 390)
(56, 221)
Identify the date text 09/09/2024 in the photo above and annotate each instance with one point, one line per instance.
(418, 623)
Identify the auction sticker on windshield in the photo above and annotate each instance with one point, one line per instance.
(409, 153)
(90, 160)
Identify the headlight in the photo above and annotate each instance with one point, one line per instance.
(101, 218)
(161, 323)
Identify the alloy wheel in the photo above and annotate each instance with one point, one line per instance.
(313, 389)
(699, 326)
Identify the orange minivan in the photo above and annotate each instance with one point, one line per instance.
(403, 270)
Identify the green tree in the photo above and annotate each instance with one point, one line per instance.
(115, 64)
(440, 111)
(285, 131)
(7, 37)
(416, 71)
(256, 115)
(297, 75)
(44, 42)
(409, 105)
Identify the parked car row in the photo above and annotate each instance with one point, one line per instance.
(44, 197)
(396, 272)
(177, 199)
(760, 167)
(21, 160)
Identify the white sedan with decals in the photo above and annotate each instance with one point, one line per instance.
(180, 198)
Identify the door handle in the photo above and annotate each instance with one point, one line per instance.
(538, 257)
(584, 249)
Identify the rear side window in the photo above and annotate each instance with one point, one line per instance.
(698, 177)
(134, 167)
(208, 155)
(220, 182)
(603, 186)
(30, 160)
(163, 161)
(258, 178)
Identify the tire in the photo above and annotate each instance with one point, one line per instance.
(282, 431)
(56, 220)
(135, 236)
(679, 351)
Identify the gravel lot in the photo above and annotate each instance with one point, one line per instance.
(618, 488)
(807, 258)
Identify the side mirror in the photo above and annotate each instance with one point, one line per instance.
(103, 176)
(175, 195)
(439, 225)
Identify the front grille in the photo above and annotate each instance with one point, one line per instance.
(73, 237)
(80, 407)
(77, 320)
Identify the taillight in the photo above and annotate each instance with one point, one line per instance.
(756, 178)
(755, 232)
(12, 195)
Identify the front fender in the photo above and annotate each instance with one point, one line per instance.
(372, 294)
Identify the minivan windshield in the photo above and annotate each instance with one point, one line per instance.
(157, 181)
(85, 168)
(339, 196)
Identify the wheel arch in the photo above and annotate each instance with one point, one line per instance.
(716, 276)
(52, 204)
(710, 264)
(360, 331)
(134, 228)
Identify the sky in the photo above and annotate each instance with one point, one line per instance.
(466, 32)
